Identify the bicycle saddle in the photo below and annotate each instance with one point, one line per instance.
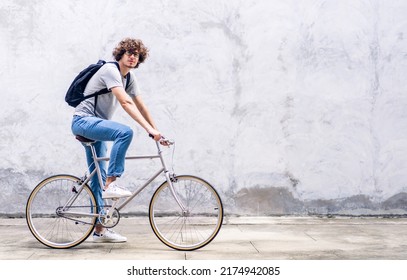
(84, 139)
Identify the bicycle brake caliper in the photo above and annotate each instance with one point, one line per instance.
(81, 180)
(173, 178)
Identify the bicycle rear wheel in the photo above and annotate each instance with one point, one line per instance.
(197, 225)
(54, 226)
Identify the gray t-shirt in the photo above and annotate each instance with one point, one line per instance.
(108, 76)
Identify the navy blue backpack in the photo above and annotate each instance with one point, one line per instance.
(75, 95)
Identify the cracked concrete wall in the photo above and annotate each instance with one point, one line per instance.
(287, 107)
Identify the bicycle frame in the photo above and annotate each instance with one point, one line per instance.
(97, 171)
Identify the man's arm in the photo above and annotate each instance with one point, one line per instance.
(142, 117)
(144, 110)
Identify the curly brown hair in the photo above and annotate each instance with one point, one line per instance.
(132, 45)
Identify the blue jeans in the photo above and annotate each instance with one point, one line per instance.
(101, 131)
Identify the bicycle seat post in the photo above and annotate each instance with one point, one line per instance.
(90, 143)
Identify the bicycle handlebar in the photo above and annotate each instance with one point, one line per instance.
(167, 142)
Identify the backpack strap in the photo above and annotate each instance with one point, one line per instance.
(127, 75)
(127, 80)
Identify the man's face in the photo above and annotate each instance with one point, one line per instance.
(130, 59)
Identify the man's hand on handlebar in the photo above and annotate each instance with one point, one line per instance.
(166, 142)
(156, 135)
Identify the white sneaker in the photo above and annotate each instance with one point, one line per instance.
(115, 191)
(109, 236)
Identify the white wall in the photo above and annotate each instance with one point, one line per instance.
(285, 106)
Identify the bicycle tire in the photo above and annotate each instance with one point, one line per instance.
(194, 228)
(51, 228)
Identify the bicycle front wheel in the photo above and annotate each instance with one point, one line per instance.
(59, 213)
(190, 228)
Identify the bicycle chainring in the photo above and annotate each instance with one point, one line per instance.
(109, 220)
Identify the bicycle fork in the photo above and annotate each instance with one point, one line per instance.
(170, 179)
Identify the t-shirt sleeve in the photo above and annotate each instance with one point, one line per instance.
(111, 77)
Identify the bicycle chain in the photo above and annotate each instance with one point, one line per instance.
(72, 219)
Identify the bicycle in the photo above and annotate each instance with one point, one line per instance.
(185, 212)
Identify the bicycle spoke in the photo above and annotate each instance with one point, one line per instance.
(197, 225)
(50, 225)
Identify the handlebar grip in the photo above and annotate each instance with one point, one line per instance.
(169, 142)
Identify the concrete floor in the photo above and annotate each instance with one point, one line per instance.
(242, 238)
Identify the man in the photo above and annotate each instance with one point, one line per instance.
(92, 119)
